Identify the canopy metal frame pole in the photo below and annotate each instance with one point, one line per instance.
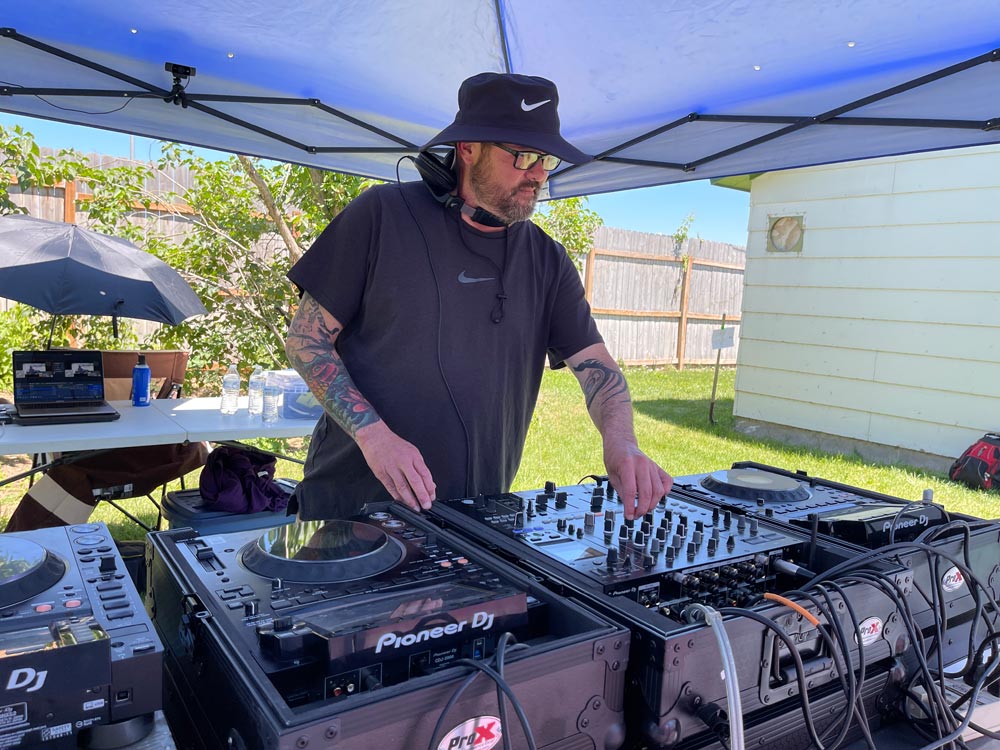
(792, 123)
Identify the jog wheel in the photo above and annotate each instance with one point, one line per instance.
(751, 484)
(323, 552)
(26, 570)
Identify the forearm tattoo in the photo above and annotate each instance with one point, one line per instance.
(602, 384)
(310, 350)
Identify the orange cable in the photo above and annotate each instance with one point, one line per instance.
(792, 605)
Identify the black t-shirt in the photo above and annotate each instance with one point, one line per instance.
(416, 291)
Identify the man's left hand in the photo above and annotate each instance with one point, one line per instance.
(639, 481)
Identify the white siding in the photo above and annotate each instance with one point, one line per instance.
(886, 327)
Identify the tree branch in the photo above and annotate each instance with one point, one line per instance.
(294, 251)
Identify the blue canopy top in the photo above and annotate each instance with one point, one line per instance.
(660, 91)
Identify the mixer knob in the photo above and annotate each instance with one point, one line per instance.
(715, 515)
(645, 527)
(579, 533)
(769, 512)
(277, 584)
(682, 519)
(682, 530)
(520, 503)
(571, 529)
(760, 502)
(550, 487)
(531, 509)
(560, 500)
(655, 545)
(598, 492)
(692, 549)
(663, 500)
(561, 524)
(661, 534)
(630, 523)
(668, 516)
(596, 504)
(648, 518)
(282, 624)
(670, 554)
(696, 537)
(611, 492)
(678, 541)
(699, 525)
(640, 538)
(713, 545)
(518, 521)
(623, 532)
(754, 524)
(250, 608)
(727, 519)
(741, 523)
(731, 543)
(588, 520)
(647, 561)
(609, 523)
(715, 534)
(609, 514)
(612, 558)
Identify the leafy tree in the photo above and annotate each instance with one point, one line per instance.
(570, 222)
(232, 233)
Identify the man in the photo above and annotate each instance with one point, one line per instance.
(427, 312)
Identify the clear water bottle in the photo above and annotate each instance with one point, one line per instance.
(272, 391)
(255, 390)
(230, 390)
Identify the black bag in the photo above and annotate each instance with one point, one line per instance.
(978, 466)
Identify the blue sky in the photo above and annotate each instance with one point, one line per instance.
(720, 214)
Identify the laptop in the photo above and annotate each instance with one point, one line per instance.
(61, 386)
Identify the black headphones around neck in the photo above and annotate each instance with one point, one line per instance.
(439, 177)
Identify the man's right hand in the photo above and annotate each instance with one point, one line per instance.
(398, 465)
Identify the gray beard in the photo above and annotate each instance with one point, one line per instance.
(503, 204)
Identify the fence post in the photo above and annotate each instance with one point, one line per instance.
(683, 321)
(69, 201)
(588, 276)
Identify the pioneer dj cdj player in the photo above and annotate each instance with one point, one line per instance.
(363, 632)
(80, 663)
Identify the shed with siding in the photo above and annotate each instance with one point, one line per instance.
(880, 333)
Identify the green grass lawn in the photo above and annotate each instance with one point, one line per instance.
(671, 420)
(671, 417)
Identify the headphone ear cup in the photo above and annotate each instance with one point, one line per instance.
(436, 174)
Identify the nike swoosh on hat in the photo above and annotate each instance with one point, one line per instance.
(528, 107)
(472, 279)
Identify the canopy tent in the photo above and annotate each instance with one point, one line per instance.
(660, 91)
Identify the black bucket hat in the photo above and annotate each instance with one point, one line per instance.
(509, 108)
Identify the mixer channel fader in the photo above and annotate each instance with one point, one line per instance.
(681, 552)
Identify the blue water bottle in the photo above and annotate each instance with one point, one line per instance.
(140, 382)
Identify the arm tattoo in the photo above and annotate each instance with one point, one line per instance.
(311, 351)
(602, 381)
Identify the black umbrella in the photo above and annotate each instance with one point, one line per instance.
(65, 270)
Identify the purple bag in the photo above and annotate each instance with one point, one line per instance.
(241, 481)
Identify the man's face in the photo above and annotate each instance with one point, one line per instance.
(502, 189)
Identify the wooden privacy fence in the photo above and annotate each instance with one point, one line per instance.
(657, 301)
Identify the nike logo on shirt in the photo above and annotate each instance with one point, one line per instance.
(528, 107)
(472, 279)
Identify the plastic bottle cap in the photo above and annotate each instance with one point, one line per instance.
(142, 359)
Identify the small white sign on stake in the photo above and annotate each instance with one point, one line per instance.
(723, 338)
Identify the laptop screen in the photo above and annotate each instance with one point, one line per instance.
(58, 377)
